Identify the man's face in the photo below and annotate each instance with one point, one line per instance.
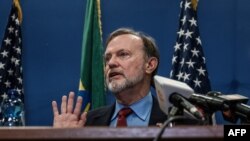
(124, 62)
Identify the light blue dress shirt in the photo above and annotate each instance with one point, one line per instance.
(141, 112)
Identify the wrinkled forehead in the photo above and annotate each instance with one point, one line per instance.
(124, 42)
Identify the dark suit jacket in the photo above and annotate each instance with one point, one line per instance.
(102, 116)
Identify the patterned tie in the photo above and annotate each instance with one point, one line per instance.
(123, 113)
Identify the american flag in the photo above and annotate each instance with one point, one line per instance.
(11, 76)
(188, 62)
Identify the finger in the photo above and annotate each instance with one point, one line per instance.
(78, 107)
(64, 104)
(70, 102)
(55, 109)
(83, 119)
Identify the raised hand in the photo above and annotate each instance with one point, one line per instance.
(69, 117)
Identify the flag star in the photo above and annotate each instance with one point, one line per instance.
(20, 40)
(174, 59)
(13, 59)
(11, 29)
(17, 22)
(181, 4)
(185, 47)
(18, 50)
(180, 75)
(17, 62)
(190, 63)
(186, 76)
(7, 83)
(4, 54)
(171, 73)
(16, 32)
(204, 60)
(7, 41)
(10, 71)
(180, 33)
(198, 39)
(4, 96)
(20, 80)
(193, 22)
(183, 20)
(182, 62)
(197, 83)
(201, 71)
(195, 52)
(13, 17)
(19, 91)
(177, 46)
(187, 5)
(188, 34)
(2, 65)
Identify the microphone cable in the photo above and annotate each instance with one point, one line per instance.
(166, 123)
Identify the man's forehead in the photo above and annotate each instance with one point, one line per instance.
(125, 41)
(127, 36)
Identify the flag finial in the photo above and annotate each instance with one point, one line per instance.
(19, 9)
(194, 4)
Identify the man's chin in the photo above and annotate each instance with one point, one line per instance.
(115, 87)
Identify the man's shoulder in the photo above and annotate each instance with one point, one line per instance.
(100, 116)
(101, 111)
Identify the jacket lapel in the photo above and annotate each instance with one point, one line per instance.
(157, 116)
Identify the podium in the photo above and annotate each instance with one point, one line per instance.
(177, 133)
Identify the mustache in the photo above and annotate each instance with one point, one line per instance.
(114, 73)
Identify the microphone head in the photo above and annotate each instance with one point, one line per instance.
(235, 110)
(232, 115)
(165, 87)
(229, 97)
(234, 98)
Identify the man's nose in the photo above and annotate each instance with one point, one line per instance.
(112, 62)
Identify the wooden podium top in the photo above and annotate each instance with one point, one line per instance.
(178, 133)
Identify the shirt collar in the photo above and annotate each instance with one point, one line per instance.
(141, 108)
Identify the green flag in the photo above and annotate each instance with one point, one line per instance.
(91, 86)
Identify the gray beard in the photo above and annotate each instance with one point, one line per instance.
(115, 87)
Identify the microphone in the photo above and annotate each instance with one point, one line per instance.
(180, 101)
(231, 105)
(170, 92)
(165, 87)
(243, 111)
(237, 107)
(208, 103)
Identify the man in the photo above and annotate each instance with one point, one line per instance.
(131, 60)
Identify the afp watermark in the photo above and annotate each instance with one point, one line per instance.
(241, 132)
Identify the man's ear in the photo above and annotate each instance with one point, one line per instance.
(151, 64)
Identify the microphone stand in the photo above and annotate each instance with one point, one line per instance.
(174, 111)
(175, 114)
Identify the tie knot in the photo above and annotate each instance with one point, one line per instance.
(124, 112)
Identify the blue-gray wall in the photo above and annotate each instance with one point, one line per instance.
(52, 36)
